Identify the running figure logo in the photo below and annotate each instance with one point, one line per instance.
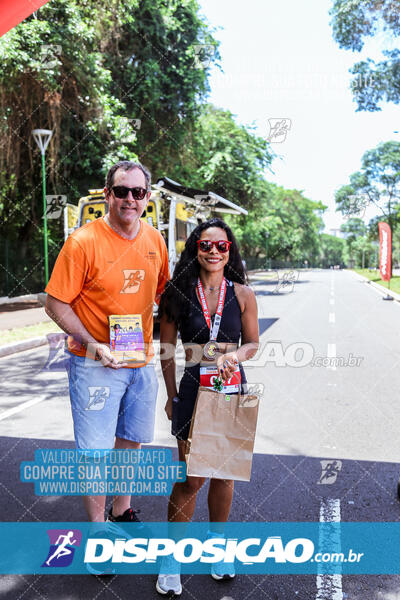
(133, 278)
(330, 470)
(57, 360)
(55, 206)
(356, 206)
(286, 281)
(97, 397)
(278, 130)
(62, 547)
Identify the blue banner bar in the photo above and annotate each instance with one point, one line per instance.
(255, 548)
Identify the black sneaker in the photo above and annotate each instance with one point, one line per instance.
(129, 516)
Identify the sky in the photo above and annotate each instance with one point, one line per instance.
(280, 61)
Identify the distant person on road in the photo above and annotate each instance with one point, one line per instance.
(209, 274)
(107, 267)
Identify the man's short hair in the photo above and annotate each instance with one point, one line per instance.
(128, 165)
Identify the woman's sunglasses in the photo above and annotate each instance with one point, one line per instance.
(120, 191)
(206, 245)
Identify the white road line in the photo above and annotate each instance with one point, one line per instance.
(329, 587)
(331, 317)
(16, 409)
(331, 353)
(329, 511)
(331, 301)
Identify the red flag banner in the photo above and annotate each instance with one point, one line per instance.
(385, 251)
(14, 11)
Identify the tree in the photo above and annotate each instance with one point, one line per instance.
(284, 227)
(373, 235)
(104, 65)
(352, 22)
(225, 157)
(332, 250)
(378, 183)
(150, 51)
(396, 248)
(229, 159)
(364, 252)
(354, 228)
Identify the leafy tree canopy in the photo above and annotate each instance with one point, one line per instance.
(353, 21)
(332, 250)
(377, 183)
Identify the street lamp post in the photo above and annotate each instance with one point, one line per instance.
(42, 137)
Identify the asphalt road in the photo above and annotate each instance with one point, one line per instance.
(308, 414)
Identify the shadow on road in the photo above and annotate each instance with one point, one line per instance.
(265, 324)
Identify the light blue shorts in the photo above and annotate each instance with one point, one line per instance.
(106, 402)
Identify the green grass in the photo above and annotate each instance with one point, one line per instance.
(375, 277)
(24, 333)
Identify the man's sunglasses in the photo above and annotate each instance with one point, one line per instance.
(120, 191)
(206, 245)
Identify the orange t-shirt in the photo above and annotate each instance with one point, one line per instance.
(99, 273)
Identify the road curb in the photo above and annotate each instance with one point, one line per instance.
(40, 297)
(378, 287)
(28, 344)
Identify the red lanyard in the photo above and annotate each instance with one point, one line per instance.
(206, 311)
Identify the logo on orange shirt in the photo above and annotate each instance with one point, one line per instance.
(133, 279)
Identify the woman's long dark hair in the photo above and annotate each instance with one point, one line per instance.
(175, 301)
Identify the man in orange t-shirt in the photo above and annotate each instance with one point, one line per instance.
(115, 265)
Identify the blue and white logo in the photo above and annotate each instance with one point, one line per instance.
(62, 547)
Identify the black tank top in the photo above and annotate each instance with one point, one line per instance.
(194, 328)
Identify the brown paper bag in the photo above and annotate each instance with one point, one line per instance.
(221, 437)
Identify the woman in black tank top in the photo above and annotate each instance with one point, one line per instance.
(211, 255)
(194, 330)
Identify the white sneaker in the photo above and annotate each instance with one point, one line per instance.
(169, 579)
(99, 571)
(169, 584)
(222, 570)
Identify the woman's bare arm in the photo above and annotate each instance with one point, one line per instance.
(168, 339)
(250, 330)
(227, 363)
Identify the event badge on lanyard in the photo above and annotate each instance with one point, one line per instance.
(211, 348)
(208, 374)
